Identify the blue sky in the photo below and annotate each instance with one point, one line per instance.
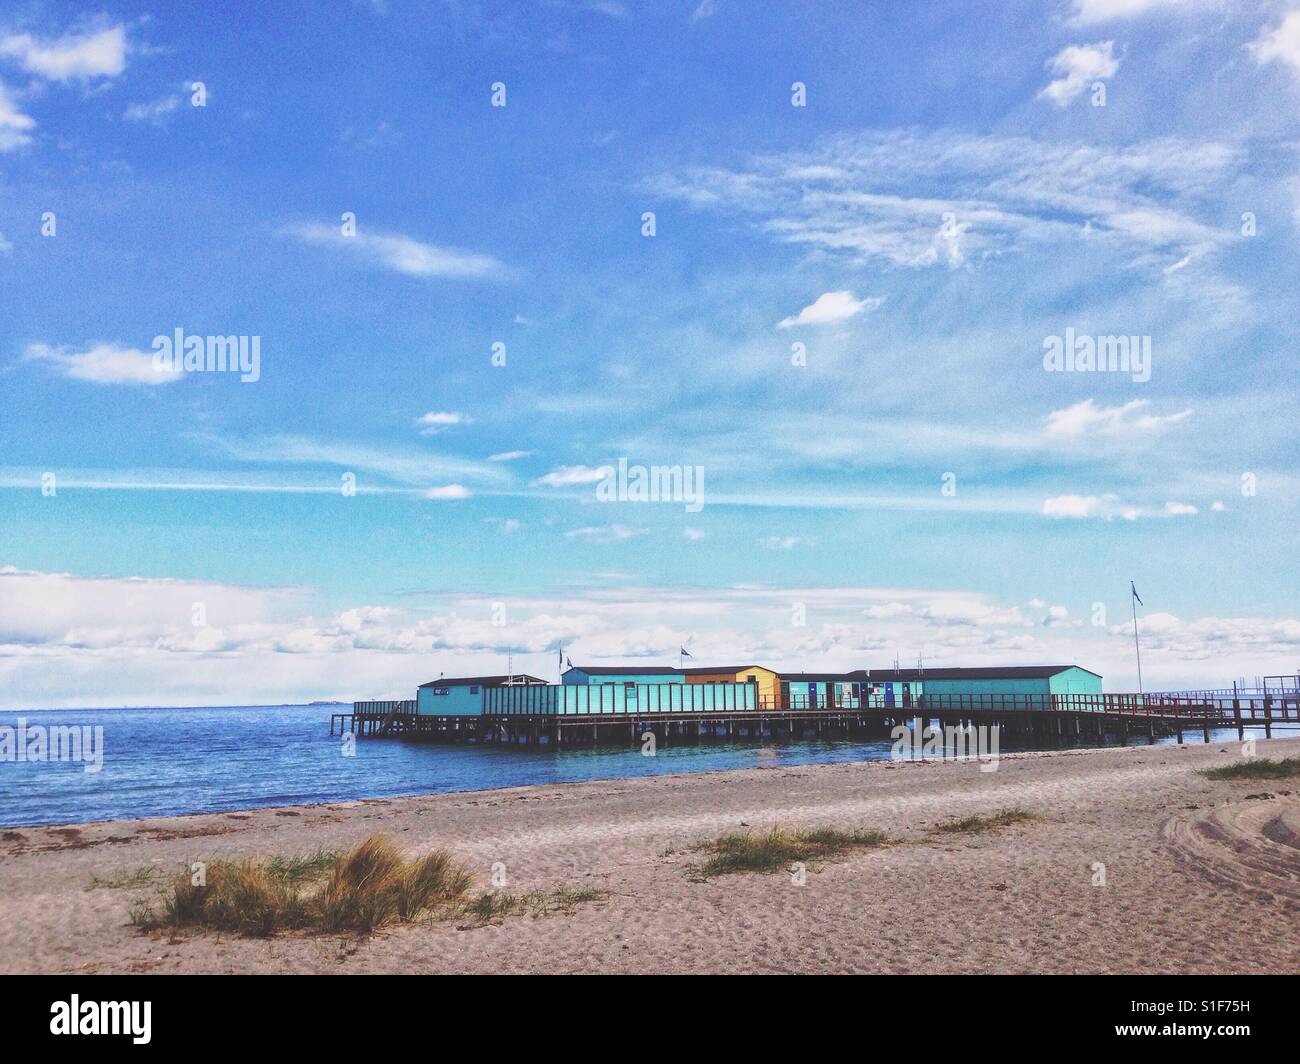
(959, 186)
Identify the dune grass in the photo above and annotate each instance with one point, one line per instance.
(300, 869)
(778, 848)
(371, 887)
(976, 825)
(1257, 768)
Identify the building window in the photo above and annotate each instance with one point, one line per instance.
(473, 690)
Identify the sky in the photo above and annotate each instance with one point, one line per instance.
(821, 258)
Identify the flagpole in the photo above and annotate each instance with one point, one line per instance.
(1137, 649)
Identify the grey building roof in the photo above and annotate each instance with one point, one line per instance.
(482, 681)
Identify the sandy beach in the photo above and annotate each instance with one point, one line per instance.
(1201, 876)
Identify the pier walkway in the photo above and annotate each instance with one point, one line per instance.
(529, 715)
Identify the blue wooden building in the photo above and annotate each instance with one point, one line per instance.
(461, 696)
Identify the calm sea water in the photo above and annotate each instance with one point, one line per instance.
(163, 762)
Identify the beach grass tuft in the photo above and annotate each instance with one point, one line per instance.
(1257, 768)
(491, 906)
(778, 848)
(370, 887)
(976, 825)
(302, 868)
(141, 877)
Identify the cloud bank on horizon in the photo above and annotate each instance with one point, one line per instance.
(966, 333)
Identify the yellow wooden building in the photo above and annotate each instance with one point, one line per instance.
(768, 682)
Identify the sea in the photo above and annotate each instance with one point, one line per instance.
(168, 761)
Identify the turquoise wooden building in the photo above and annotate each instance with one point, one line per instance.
(462, 696)
(1031, 684)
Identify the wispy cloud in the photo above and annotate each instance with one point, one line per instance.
(15, 127)
(782, 542)
(604, 534)
(508, 456)
(574, 476)
(103, 363)
(1127, 420)
(401, 465)
(155, 112)
(402, 254)
(915, 199)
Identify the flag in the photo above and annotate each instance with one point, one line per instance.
(561, 653)
(569, 662)
(1135, 593)
(686, 653)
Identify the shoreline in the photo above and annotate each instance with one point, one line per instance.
(1183, 854)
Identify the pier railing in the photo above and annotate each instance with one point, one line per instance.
(385, 708)
(609, 701)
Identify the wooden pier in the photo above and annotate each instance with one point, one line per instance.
(1039, 720)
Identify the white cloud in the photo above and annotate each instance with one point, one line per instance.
(615, 533)
(72, 640)
(1078, 66)
(508, 456)
(15, 127)
(449, 491)
(81, 57)
(575, 475)
(1126, 421)
(1087, 12)
(1180, 509)
(1056, 617)
(1213, 637)
(402, 254)
(1106, 506)
(1282, 43)
(104, 363)
(694, 534)
(829, 308)
(6, 245)
(1217, 506)
(439, 421)
(705, 9)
